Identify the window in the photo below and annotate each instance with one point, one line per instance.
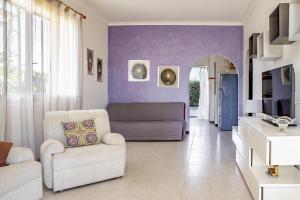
(41, 53)
(28, 43)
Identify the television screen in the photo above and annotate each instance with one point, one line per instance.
(278, 93)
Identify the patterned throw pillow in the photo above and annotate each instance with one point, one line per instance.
(80, 133)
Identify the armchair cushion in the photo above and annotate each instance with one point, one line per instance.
(49, 148)
(113, 139)
(86, 155)
(4, 150)
(19, 154)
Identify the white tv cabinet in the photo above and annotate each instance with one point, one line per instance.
(259, 145)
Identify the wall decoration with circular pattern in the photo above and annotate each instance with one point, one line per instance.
(138, 70)
(168, 76)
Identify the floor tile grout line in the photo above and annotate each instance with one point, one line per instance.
(194, 132)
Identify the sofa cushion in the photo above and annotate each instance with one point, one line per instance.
(16, 175)
(80, 133)
(4, 150)
(150, 130)
(174, 111)
(86, 155)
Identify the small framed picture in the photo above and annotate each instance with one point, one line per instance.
(168, 76)
(99, 70)
(90, 62)
(138, 70)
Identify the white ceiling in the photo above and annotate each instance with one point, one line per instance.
(192, 11)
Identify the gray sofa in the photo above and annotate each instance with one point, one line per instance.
(148, 121)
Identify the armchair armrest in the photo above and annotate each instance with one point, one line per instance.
(113, 139)
(48, 148)
(19, 154)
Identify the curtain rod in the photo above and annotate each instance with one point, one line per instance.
(69, 7)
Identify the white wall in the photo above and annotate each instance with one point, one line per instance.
(95, 37)
(258, 21)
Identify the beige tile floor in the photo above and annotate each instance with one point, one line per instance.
(201, 167)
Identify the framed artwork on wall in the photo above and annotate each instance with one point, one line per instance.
(138, 70)
(99, 70)
(168, 76)
(90, 62)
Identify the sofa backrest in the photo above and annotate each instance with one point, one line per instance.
(174, 111)
(54, 130)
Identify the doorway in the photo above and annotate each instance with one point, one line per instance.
(199, 92)
(209, 100)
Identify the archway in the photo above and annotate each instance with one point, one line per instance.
(205, 76)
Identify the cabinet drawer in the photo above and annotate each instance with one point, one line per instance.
(243, 131)
(281, 193)
(259, 144)
(242, 162)
(239, 144)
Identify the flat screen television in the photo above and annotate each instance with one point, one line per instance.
(278, 92)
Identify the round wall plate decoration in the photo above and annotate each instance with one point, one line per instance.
(168, 76)
(138, 70)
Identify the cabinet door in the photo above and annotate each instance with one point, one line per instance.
(278, 193)
(285, 151)
(260, 145)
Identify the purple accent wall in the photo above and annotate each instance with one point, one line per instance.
(164, 46)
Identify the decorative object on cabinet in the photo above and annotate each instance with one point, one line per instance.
(253, 107)
(253, 45)
(138, 70)
(265, 51)
(168, 76)
(294, 22)
(283, 123)
(90, 62)
(279, 25)
(99, 70)
(273, 171)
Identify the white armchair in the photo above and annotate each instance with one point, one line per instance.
(65, 168)
(22, 178)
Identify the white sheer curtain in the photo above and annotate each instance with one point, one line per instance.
(41, 59)
(203, 108)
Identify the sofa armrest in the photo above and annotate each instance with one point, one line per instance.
(113, 139)
(19, 154)
(49, 148)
